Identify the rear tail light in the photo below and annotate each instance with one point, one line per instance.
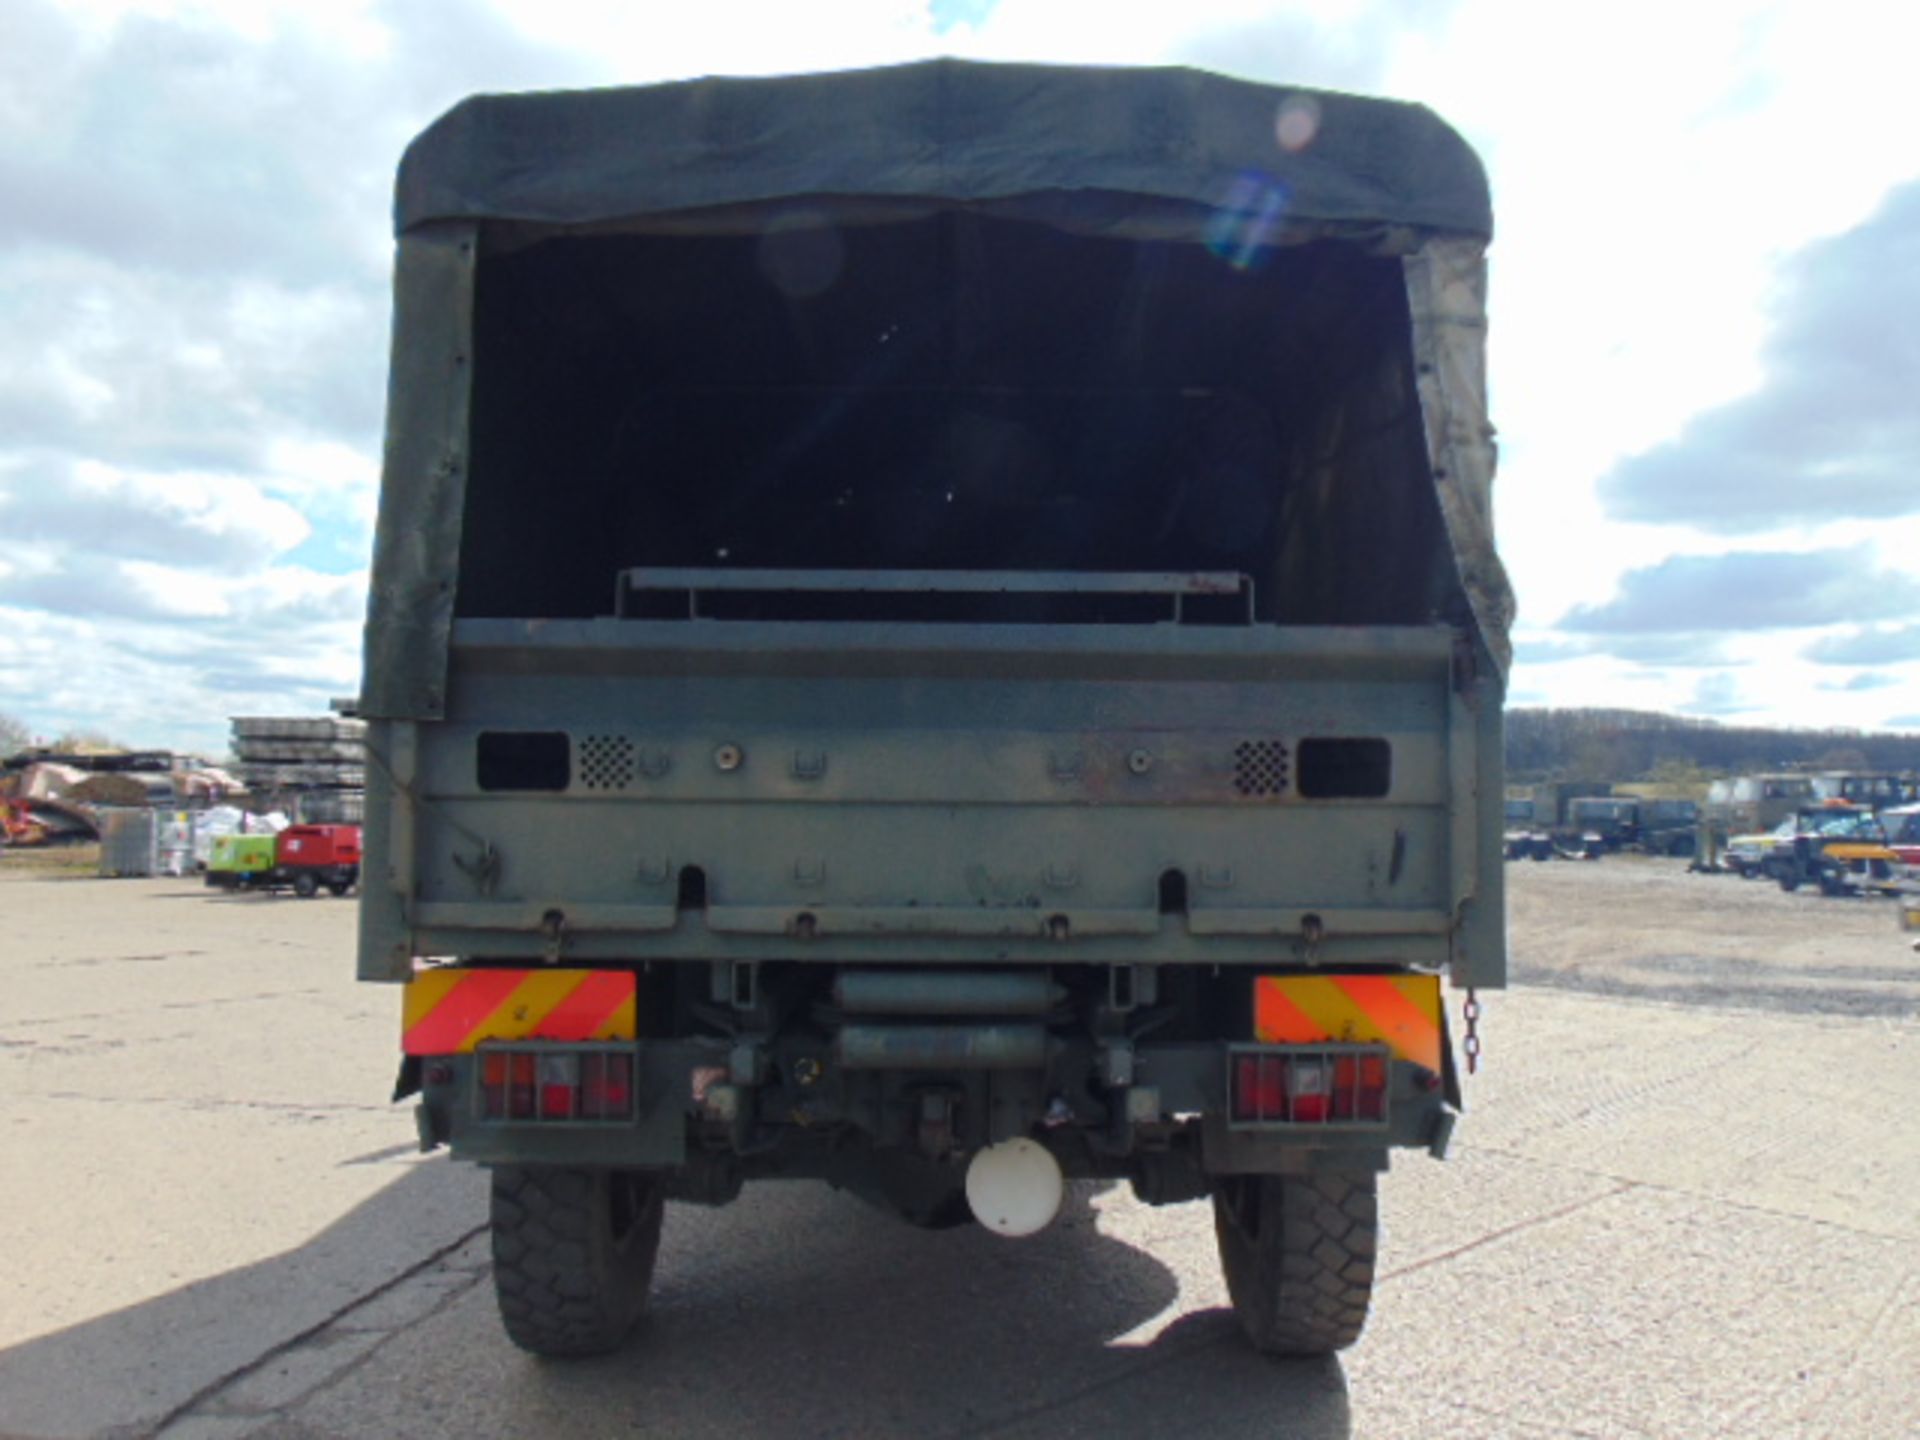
(1259, 1087)
(1288, 1086)
(553, 1083)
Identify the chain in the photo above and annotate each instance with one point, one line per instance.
(1471, 1010)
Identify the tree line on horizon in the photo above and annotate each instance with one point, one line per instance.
(1598, 744)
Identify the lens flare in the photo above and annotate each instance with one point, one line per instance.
(1297, 123)
(1244, 225)
(801, 253)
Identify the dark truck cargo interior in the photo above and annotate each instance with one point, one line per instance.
(946, 393)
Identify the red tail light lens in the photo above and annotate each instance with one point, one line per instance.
(1259, 1087)
(1309, 1086)
(1304, 1087)
(559, 1086)
(606, 1090)
(1359, 1087)
(556, 1084)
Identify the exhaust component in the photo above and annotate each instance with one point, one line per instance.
(942, 1047)
(945, 992)
(1015, 1188)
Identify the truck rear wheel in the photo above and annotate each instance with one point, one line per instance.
(305, 885)
(1298, 1252)
(573, 1255)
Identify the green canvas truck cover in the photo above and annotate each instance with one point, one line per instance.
(1190, 164)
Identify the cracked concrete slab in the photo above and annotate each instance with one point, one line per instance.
(180, 1143)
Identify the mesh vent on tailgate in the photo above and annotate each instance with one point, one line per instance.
(603, 762)
(1260, 768)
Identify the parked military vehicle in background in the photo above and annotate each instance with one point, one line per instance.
(1749, 803)
(1612, 820)
(1541, 824)
(935, 629)
(1550, 799)
(1522, 839)
(1669, 827)
(1584, 819)
(1594, 821)
(1875, 791)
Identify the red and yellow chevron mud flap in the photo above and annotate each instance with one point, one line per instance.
(1399, 1011)
(452, 1011)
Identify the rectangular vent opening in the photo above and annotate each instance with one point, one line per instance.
(522, 760)
(1359, 769)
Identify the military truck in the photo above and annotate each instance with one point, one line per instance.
(1669, 826)
(1877, 791)
(1522, 839)
(1613, 821)
(935, 629)
(1747, 803)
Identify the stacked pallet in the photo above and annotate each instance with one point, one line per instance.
(318, 763)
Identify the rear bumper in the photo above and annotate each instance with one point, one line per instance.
(693, 1112)
(925, 1066)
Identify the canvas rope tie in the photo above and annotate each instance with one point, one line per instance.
(1471, 1011)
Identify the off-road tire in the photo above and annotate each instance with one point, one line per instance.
(573, 1254)
(1298, 1252)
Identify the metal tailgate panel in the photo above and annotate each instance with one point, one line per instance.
(934, 792)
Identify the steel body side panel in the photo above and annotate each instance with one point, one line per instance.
(1480, 940)
(387, 945)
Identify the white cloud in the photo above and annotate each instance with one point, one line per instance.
(749, 37)
(149, 683)
(90, 508)
(1652, 167)
(324, 477)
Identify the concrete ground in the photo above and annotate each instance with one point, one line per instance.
(1685, 1202)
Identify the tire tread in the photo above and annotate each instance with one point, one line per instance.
(563, 1288)
(1302, 1282)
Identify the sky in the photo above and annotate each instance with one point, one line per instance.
(1704, 356)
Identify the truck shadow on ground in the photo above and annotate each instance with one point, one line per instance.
(124, 1371)
(794, 1312)
(799, 1311)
